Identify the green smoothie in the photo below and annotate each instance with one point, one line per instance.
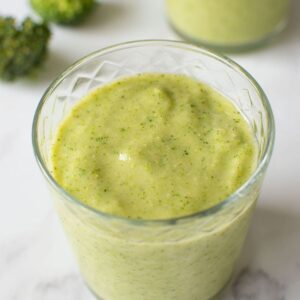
(151, 147)
(227, 22)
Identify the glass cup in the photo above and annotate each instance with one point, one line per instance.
(228, 25)
(191, 257)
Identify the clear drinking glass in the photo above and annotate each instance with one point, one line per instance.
(228, 25)
(189, 257)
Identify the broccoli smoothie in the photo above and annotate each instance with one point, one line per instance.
(155, 147)
(224, 23)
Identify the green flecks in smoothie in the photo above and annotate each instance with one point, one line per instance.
(153, 146)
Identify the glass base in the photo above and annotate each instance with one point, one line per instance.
(216, 297)
(234, 48)
(93, 293)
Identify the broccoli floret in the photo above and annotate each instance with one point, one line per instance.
(22, 47)
(62, 11)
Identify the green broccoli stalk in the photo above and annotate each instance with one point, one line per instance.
(22, 47)
(63, 11)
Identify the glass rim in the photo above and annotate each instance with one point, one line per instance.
(262, 164)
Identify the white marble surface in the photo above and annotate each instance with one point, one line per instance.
(35, 261)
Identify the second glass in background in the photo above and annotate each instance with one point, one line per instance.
(228, 25)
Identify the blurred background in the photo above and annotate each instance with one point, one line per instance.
(35, 260)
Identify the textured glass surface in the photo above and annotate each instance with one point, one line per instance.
(216, 234)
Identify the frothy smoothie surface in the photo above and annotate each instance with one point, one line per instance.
(153, 146)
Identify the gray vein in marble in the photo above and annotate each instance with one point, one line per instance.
(38, 266)
(69, 286)
(12, 251)
(256, 285)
